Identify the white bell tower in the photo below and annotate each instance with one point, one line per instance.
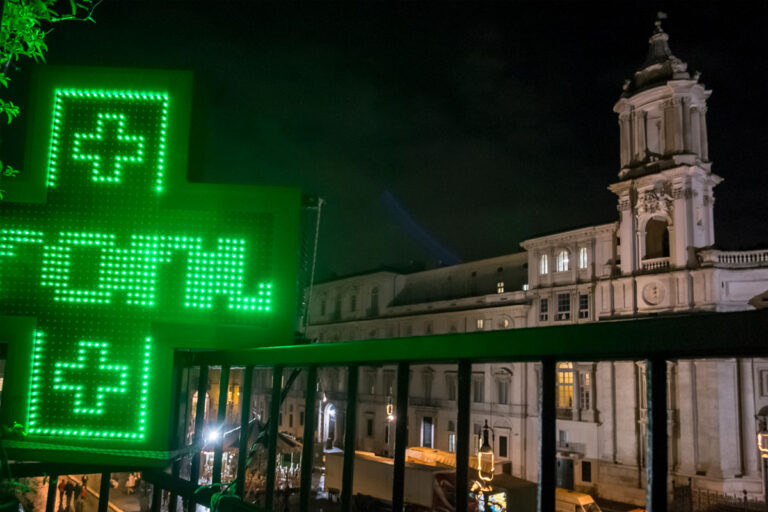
(665, 198)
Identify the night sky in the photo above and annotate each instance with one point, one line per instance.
(439, 132)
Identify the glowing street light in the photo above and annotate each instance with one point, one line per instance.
(485, 462)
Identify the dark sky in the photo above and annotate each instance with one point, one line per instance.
(486, 123)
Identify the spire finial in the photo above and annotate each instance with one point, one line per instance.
(659, 16)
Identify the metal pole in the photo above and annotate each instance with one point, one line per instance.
(350, 426)
(202, 389)
(656, 460)
(221, 418)
(462, 433)
(401, 437)
(245, 427)
(103, 492)
(157, 498)
(308, 450)
(547, 427)
(50, 502)
(274, 411)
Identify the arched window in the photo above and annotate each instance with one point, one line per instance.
(562, 261)
(543, 265)
(656, 239)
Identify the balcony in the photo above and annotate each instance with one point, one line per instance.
(655, 264)
(733, 259)
(653, 340)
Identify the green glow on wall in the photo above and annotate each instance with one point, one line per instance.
(120, 260)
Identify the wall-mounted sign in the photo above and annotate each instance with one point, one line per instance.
(102, 239)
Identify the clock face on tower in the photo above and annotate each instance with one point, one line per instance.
(653, 293)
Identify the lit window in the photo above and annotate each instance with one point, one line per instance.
(503, 323)
(543, 265)
(543, 310)
(583, 306)
(480, 323)
(583, 257)
(562, 261)
(525, 287)
(564, 306)
(500, 287)
(565, 386)
(452, 443)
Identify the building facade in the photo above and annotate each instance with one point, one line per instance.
(659, 257)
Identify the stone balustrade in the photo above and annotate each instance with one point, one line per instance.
(734, 259)
(654, 264)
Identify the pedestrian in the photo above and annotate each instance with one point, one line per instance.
(69, 489)
(130, 484)
(61, 487)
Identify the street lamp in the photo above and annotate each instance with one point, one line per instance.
(762, 445)
(485, 464)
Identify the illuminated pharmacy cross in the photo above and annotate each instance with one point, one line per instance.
(90, 375)
(102, 140)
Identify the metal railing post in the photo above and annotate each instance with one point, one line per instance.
(157, 498)
(202, 389)
(245, 427)
(350, 427)
(221, 418)
(656, 459)
(104, 492)
(50, 502)
(547, 427)
(308, 450)
(274, 412)
(401, 437)
(462, 432)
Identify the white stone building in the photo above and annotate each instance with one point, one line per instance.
(658, 257)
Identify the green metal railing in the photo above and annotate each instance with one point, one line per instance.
(654, 340)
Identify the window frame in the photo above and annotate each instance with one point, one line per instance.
(544, 309)
(543, 265)
(563, 307)
(583, 258)
(562, 261)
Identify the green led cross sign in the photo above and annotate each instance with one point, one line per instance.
(103, 143)
(119, 260)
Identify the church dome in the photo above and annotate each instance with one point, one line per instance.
(659, 67)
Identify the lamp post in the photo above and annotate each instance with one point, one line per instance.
(762, 445)
(390, 418)
(485, 463)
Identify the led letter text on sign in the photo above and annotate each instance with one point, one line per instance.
(121, 241)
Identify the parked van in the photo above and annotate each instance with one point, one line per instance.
(570, 501)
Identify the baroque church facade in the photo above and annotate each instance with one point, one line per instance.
(658, 257)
